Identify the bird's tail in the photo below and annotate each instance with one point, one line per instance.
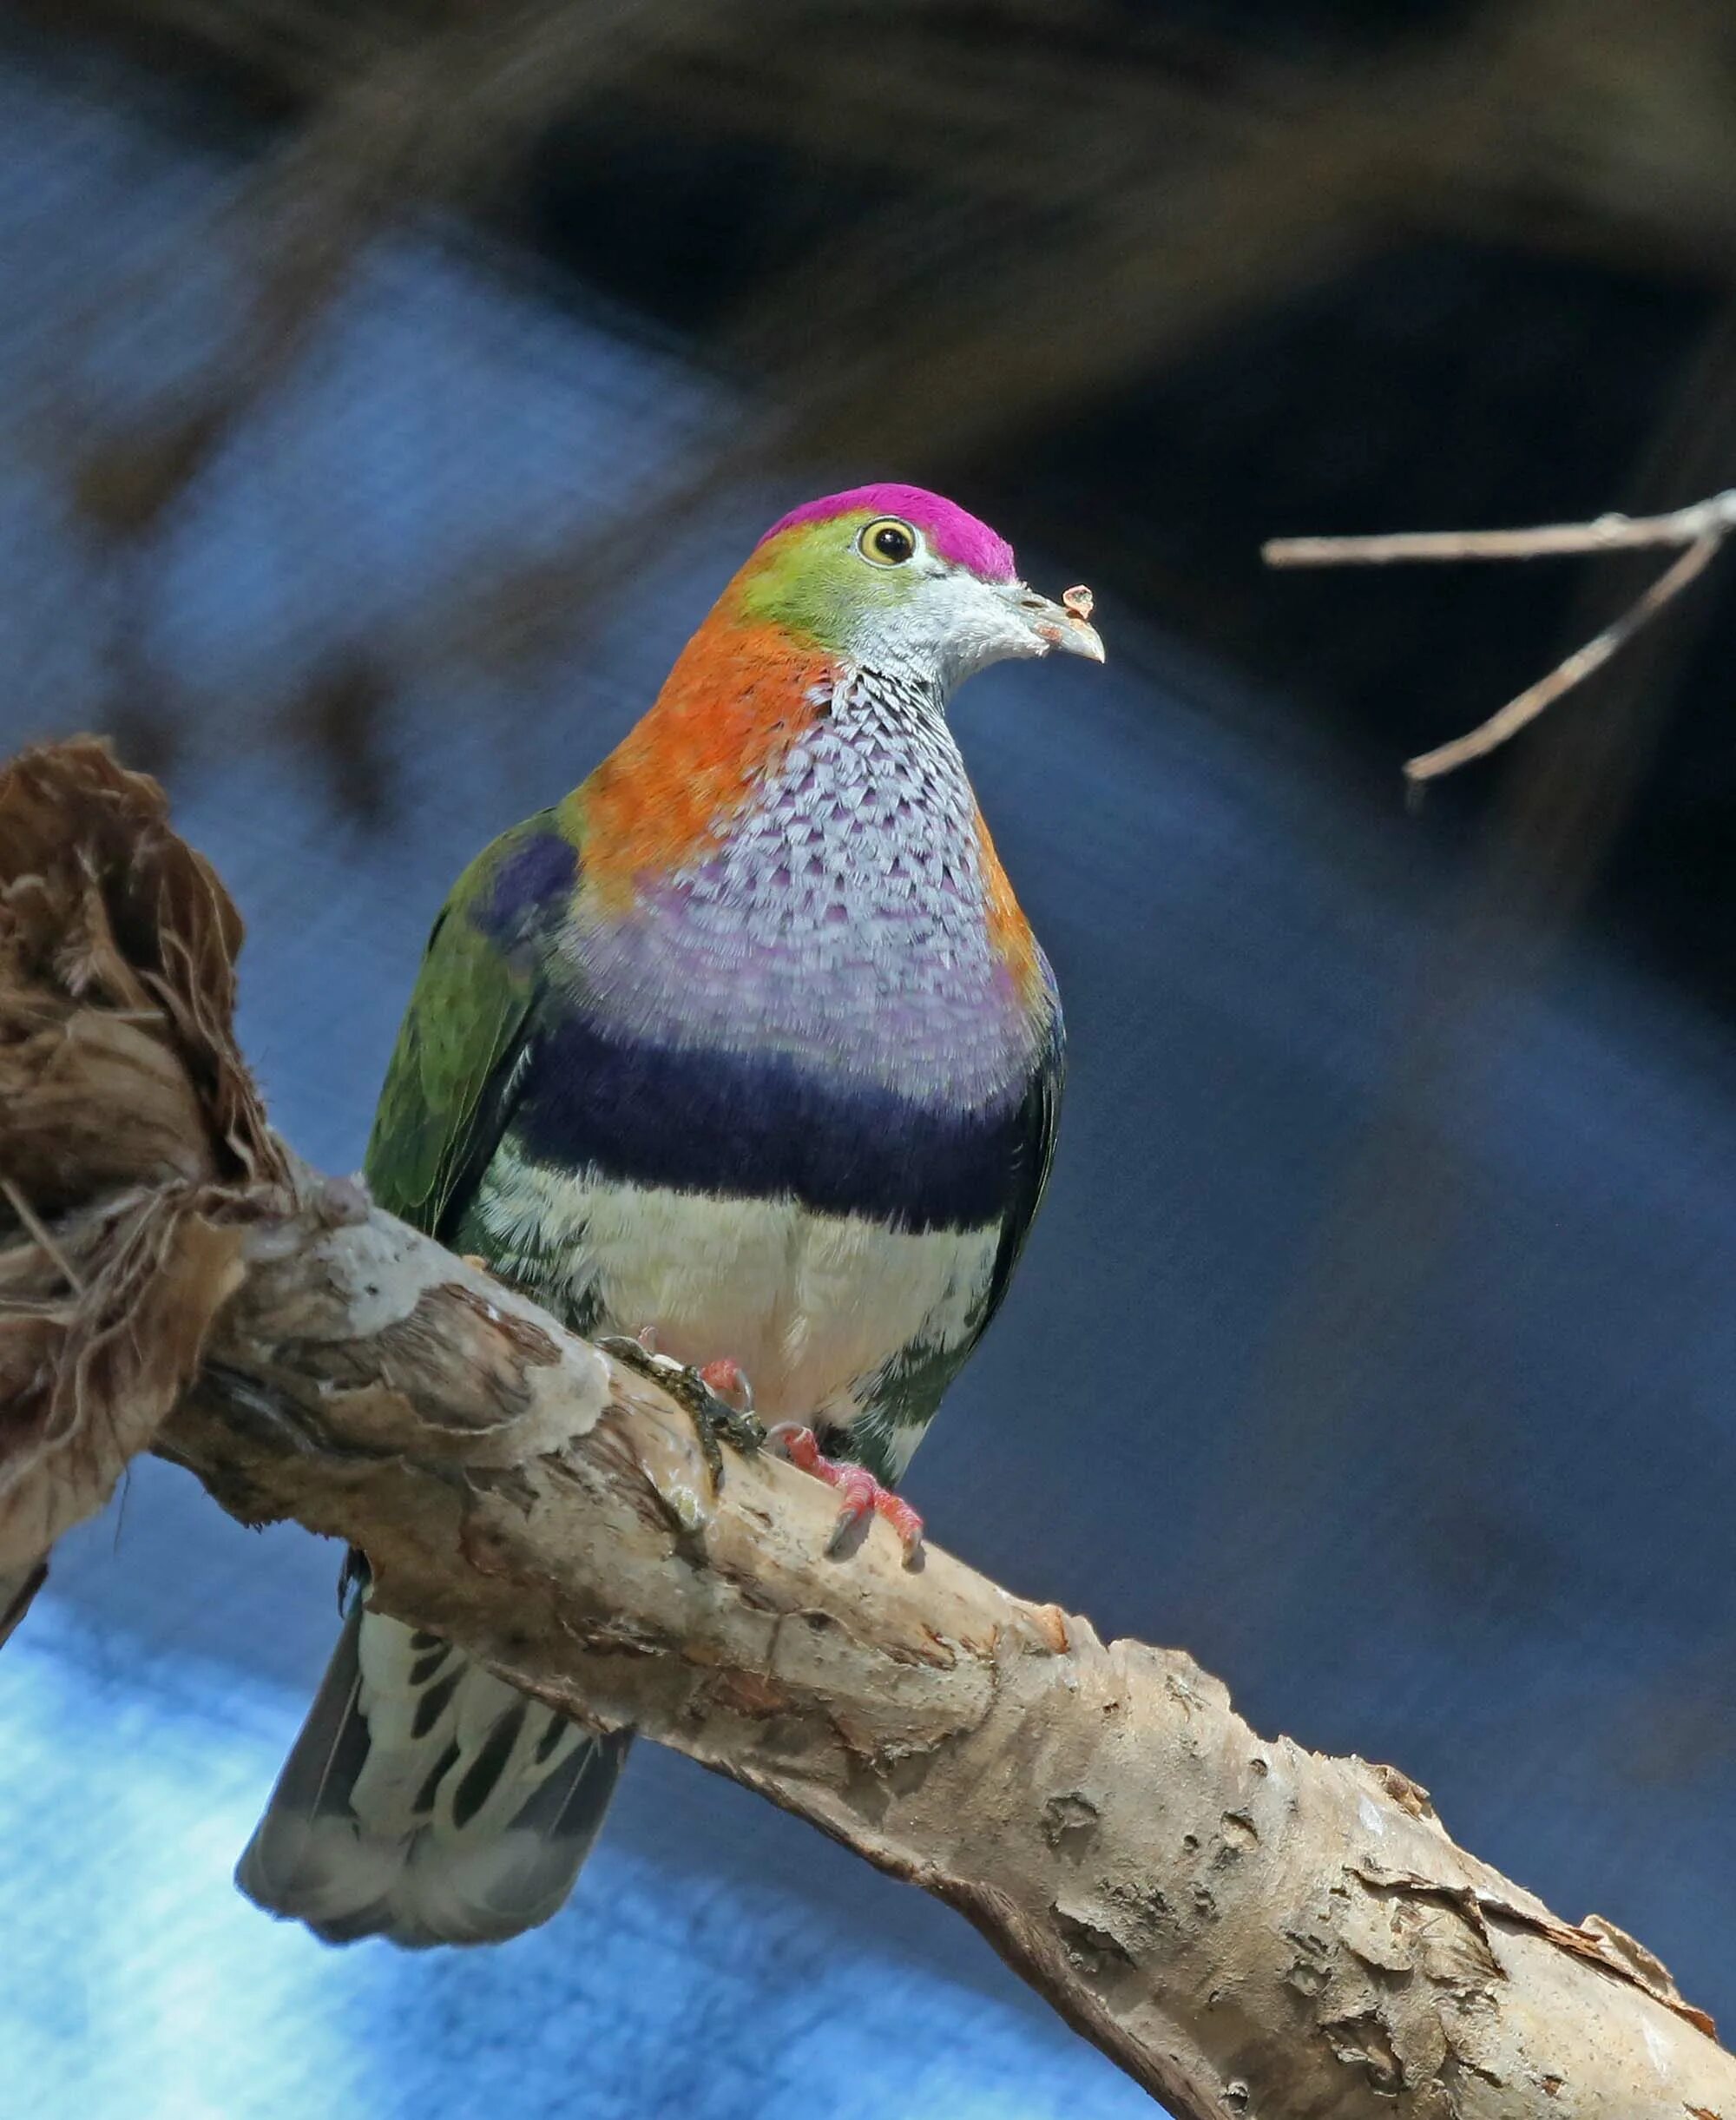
(427, 1799)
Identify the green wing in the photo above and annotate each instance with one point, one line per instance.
(448, 1092)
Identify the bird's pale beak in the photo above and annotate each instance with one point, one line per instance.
(1066, 626)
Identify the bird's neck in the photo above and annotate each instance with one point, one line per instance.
(741, 697)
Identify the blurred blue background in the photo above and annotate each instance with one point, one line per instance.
(1376, 1343)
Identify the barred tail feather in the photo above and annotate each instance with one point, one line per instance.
(425, 1800)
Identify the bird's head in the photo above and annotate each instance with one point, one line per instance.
(885, 578)
(895, 579)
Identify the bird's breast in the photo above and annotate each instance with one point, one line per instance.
(775, 1106)
(847, 924)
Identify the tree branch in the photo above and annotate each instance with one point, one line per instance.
(1244, 1926)
(1713, 518)
(1702, 528)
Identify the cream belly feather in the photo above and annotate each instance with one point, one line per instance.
(812, 1306)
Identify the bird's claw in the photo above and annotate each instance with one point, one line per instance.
(700, 1393)
(860, 1494)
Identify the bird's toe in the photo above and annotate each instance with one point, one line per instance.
(860, 1494)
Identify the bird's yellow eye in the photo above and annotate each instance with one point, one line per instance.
(887, 542)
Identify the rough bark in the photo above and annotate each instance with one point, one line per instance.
(1246, 1927)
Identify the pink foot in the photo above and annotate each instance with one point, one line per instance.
(861, 1492)
(728, 1379)
(724, 1376)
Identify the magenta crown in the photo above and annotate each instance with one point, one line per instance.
(955, 535)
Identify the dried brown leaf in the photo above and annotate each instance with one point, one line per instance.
(134, 1148)
(85, 1384)
(104, 910)
(93, 1100)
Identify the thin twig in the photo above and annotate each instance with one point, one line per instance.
(42, 1236)
(1713, 518)
(1702, 528)
(1572, 670)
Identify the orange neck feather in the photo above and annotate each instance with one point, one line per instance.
(1009, 932)
(738, 698)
